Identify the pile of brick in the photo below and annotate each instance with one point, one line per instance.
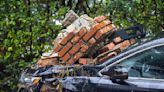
(84, 41)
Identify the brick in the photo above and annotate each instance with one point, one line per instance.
(47, 62)
(67, 38)
(95, 28)
(80, 23)
(109, 28)
(82, 32)
(117, 39)
(85, 61)
(132, 41)
(89, 34)
(70, 61)
(70, 17)
(54, 58)
(64, 49)
(57, 48)
(81, 42)
(77, 56)
(75, 39)
(106, 57)
(107, 47)
(53, 54)
(103, 23)
(74, 49)
(66, 57)
(124, 44)
(84, 48)
(104, 30)
(92, 41)
(100, 18)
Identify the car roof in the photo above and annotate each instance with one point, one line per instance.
(134, 49)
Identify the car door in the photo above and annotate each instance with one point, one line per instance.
(145, 70)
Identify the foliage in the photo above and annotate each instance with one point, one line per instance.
(27, 27)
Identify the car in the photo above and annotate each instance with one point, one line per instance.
(137, 69)
(140, 69)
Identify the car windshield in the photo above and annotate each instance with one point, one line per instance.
(147, 64)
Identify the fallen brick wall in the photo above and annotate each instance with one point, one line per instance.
(85, 40)
(77, 44)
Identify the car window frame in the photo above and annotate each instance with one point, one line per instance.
(129, 51)
(131, 55)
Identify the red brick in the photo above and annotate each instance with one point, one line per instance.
(81, 42)
(103, 23)
(85, 60)
(77, 56)
(82, 32)
(66, 57)
(74, 49)
(109, 28)
(117, 39)
(70, 61)
(124, 44)
(67, 38)
(75, 39)
(100, 18)
(84, 48)
(103, 31)
(64, 49)
(95, 28)
(92, 41)
(57, 48)
(107, 47)
(89, 34)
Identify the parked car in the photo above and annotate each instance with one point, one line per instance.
(138, 69)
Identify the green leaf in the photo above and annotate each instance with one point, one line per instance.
(7, 55)
(10, 49)
(22, 63)
(138, 1)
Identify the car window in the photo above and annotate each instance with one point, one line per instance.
(147, 64)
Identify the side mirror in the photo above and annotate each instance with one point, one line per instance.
(116, 72)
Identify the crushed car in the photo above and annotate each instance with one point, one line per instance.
(138, 69)
(91, 55)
